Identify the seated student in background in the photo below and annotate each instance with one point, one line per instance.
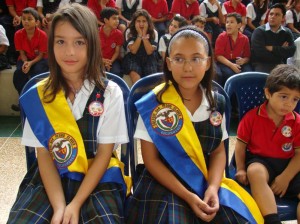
(111, 40)
(126, 10)
(4, 44)
(175, 23)
(212, 12)
(256, 14)
(292, 18)
(232, 50)
(97, 5)
(238, 7)
(141, 47)
(267, 150)
(271, 43)
(31, 42)
(186, 8)
(158, 10)
(199, 22)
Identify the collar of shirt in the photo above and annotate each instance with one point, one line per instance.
(268, 28)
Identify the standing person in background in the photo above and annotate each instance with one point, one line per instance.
(271, 43)
(111, 40)
(141, 47)
(75, 119)
(158, 10)
(186, 8)
(31, 42)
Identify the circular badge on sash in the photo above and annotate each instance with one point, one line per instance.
(215, 118)
(96, 108)
(287, 147)
(63, 149)
(166, 119)
(286, 131)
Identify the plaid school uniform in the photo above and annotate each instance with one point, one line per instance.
(104, 205)
(153, 203)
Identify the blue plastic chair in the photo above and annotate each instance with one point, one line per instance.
(30, 151)
(248, 87)
(140, 88)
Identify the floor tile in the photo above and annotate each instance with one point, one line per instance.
(10, 126)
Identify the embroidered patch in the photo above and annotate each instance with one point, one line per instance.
(63, 149)
(287, 147)
(113, 45)
(166, 119)
(215, 118)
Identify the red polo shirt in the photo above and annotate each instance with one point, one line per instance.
(158, 10)
(109, 43)
(240, 8)
(187, 11)
(241, 47)
(96, 7)
(263, 138)
(21, 4)
(38, 43)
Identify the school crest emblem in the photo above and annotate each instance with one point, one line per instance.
(166, 119)
(63, 149)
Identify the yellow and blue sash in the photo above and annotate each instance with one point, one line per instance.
(172, 132)
(55, 127)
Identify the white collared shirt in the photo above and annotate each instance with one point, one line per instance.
(201, 114)
(112, 127)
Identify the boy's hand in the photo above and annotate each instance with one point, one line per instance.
(241, 177)
(280, 185)
(236, 68)
(26, 66)
(16, 20)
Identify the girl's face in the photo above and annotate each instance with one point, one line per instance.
(188, 62)
(173, 27)
(141, 23)
(70, 50)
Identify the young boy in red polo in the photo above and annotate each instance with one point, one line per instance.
(111, 40)
(267, 150)
(232, 50)
(31, 42)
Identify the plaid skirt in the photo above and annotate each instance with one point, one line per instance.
(152, 203)
(104, 205)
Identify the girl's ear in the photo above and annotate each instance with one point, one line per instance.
(168, 63)
(208, 63)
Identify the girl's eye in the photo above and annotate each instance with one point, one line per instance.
(60, 42)
(80, 42)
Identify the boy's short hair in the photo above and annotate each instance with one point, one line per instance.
(279, 6)
(31, 11)
(198, 19)
(281, 76)
(237, 16)
(108, 12)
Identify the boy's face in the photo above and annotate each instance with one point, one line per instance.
(232, 26)
(113, 21)
(28, 21)
(282, 102)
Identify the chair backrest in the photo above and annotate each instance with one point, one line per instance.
(248, 87)
(30, 151)
(140, 88)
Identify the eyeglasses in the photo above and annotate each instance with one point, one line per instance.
(196, 61)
